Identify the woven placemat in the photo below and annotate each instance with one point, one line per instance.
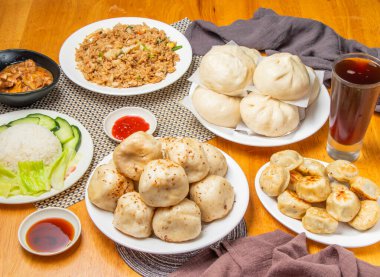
(151, 265)
(91, 108)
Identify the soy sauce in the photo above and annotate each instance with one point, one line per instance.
(352, 107)
(50, 235)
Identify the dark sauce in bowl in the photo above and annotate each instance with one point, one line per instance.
(50, 235)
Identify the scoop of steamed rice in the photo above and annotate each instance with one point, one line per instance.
(28, 142)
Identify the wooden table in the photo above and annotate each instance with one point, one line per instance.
(43, 25)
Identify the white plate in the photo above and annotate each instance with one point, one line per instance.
(84, 154)
(39, 215)
(345, 235)
(211, 232)
(69, 67)
(111, 118)
(316, 116)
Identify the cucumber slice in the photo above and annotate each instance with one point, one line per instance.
(45, 121)
(3, 128)
(33, 120)
(75, 142)
(64, 134)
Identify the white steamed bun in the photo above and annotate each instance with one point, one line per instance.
(216, 108)
(267, 116)
(282, 76)
(226, 69)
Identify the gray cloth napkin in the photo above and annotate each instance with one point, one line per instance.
(275, 254)
(315, 43)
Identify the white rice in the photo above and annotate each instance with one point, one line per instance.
(28, 142)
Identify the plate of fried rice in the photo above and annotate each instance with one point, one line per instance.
(125, 56)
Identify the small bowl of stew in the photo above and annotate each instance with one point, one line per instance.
(26, 76)
(49, 231)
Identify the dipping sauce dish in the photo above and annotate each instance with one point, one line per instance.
(125, 121)
(49, 231)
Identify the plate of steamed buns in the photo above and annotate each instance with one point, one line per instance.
(257, 101)
(331, 203)
(166, 195)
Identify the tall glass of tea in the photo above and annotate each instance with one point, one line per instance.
(354, 91)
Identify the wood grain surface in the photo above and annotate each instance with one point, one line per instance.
(43, 25)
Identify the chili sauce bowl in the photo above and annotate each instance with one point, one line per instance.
(27, 229)
(145, 114)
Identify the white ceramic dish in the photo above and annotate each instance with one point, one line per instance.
(345, 235)
(68, 63)
(84, 155)
(45, 214)
(316, 116)
(211, 232)
(147, 115)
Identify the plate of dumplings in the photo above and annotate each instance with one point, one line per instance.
(166, 195)
(259, 101)
(331, 203)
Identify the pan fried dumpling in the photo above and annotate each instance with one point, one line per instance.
(336, 186)
(132, 216)
(290, 205)
(282, 76)
(106, 186)
(267, 116)
(313, 189)
(178, 223)
(274, 180)
(311, 167)
(342, 171)
(165, 143)
(367, 217)
(343, 205)
(219, 109)
(189, 154)
(163, 183)
(287, 158)
(365, 188)
(226, 69)
(318, 221)
(294, 177)
(133, 153)
(216, 160)
(214, 196)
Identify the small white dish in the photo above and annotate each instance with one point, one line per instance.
(111, 118)
(47, 213)
(344, 236)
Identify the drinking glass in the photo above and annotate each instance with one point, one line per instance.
(355, 88)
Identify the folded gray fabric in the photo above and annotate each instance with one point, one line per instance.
(275, 254)
(314, 42)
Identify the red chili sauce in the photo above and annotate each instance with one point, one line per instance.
(127, 125)
(50, 235)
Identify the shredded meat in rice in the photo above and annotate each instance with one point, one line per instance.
(126, 56)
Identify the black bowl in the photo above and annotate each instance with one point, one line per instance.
(11, 56)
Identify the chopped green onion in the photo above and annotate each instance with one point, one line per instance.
(175, 48)
(100, 55)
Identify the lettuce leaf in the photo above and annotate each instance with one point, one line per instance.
(59, 168)
(8, 182)
(33, 178)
